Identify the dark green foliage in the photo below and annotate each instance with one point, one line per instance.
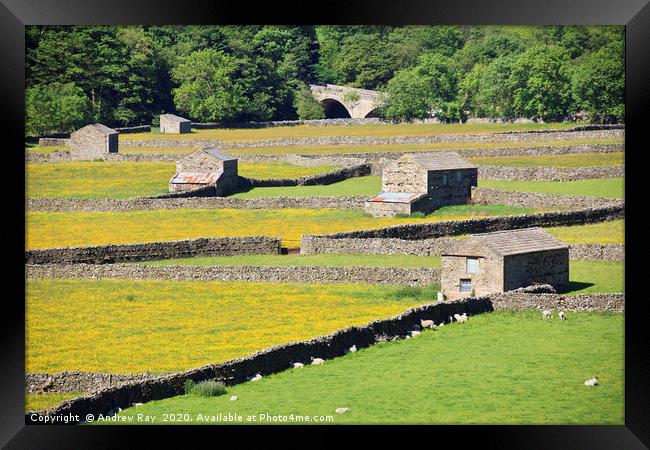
(307, 107)
(56, 107)
(207, 388)
(131, 74)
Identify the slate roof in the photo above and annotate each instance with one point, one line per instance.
(441, 161)
(514, 242)
(100, 127)
(175, 118)
(218, 154)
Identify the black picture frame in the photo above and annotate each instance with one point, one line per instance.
(634, 14)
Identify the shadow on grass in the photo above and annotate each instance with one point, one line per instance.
(575, 286)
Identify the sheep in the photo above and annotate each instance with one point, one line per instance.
(298, 365)
(561, 315)
(593, 381)
(317, 361)
(441, 324)
(451, 319)
(461, 318)
(257, 377)
(234, 398)
(353, 348)
(427, 323)
(457, 317)
(415, 333)
(342, 410)
(546, 314)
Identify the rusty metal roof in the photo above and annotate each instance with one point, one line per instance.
(395, 197)
(175, 118)
(195, 178)
(440, 161)
(513, 242)
(218, 154)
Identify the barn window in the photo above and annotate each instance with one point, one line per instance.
(465, 285)
(445, 179)
(472, 265)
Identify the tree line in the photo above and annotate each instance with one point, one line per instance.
(124, 76)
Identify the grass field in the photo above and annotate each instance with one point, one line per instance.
(83, 179)
(596, 276)
(575, 160)
(603, 187)
(123, 326)
(610, 232)
(498, 368)
(62, 229)
(255, 134)
(352, 186)
(157, 150)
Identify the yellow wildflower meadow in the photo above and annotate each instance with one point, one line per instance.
(126, 326)
(63, 229)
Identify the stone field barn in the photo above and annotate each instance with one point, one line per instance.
(208, 166)
(501, 261)
(94, 141)
(173, 124)
(423, 183)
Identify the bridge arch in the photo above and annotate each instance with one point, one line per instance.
(334, 109)
(343, 101)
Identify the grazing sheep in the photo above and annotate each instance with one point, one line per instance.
(561, 315)
(427, 323)
(257, 377)
(408, 336)
(593, 381)
(298, 365)
(461, 318)
(353, 348)
(415, 333)
(342, 410)
(451, 319)
(137, 404)
(317, 361)
(441, 324)
(233, 398)
(546, 314)
(457, 317)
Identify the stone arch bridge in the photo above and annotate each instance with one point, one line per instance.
(342, 101)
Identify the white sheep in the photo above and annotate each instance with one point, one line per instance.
(546, 314)
(415, 333)
(441, 324)
(342, 410)
(593, 381)
(561, 315)
(317, 361)
(461, 318)
(298, 365)
(257, 377)
(427, 323)
(353, 348)
(233, 398)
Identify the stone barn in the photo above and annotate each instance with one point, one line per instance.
(94, 141)
(173, 124)
(424, 183)
(501, 261)
(208, 166)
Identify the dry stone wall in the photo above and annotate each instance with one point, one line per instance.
(484, 224)
(521, 300)
(539, 200)
(192, 202)
(376, 140)
(73, 381)
(549, 173)
(436, 247)
(268, 274)
(108, 254)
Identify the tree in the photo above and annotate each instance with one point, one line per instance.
(540, 81)
(56, 107)
(307, 107)
(494, 97)
(599, 84)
